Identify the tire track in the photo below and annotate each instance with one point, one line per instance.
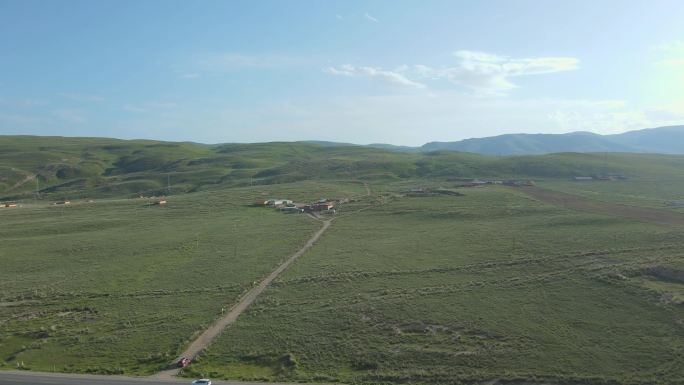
(209, 335)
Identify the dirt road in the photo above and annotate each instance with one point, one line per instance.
(579, 203)
(206, 338)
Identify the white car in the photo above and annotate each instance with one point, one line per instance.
(202, 381)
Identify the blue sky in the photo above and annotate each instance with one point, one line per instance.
(401, 72)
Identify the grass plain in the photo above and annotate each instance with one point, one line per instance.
(489, 286)
(119, 286)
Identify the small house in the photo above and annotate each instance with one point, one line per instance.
(322, 206)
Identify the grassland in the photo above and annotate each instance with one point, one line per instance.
(120, 286)
(487, 286)
(658, 193)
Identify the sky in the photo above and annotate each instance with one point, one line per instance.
(394, 71)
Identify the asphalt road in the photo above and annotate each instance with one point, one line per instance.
(33, 378)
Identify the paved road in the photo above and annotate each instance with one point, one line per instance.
(33, 378)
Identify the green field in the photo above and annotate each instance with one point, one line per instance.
(121, 286)
(445, 290)
(658, 193)
(490, 285)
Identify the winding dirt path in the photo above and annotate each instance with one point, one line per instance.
(209, 335)
(579, 203)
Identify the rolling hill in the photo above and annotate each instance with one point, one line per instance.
(61, 168)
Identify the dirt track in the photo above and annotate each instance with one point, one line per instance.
(575, 202)
(206, 338)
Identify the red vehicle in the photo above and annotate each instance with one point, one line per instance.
(183, 362)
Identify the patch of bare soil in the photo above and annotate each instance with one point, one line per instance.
(575, 202)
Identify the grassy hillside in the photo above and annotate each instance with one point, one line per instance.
(72, 168)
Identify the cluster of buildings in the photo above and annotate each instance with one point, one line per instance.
(603, 177)
(288, 206)
(422, 192)
(480, 182)
(8, 205)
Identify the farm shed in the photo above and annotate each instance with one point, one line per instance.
(278, 202)
(292, 210)
(322, 206)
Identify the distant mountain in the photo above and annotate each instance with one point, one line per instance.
(663, 140)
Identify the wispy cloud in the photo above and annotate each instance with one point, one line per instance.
(339, 17)
(21, 120)
(480, 72)
(231, 61)
(192, 75)
(490, 74)
(389, 77)
(78, 97)
(369, 17)
(69, 115)
(133, 108)
(149, 106)
(675, 46)
(671, 54)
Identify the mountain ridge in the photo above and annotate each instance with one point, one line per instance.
(663, 140)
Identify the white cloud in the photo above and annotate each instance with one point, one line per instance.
(389, 77)
(343, 70)
(192, 75)
(480, 72)
(368, 17)
(339, 17)
(490, 74)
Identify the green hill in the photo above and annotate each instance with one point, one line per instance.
(60, 168)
